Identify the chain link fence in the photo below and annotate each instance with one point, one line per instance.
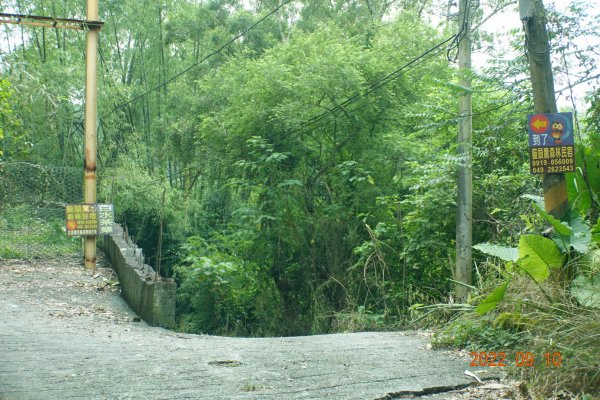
(32, 213)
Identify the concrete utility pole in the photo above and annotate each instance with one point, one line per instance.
(91, 95)
(464, 217)
(533, 16)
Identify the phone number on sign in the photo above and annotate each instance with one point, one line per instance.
(522, 359)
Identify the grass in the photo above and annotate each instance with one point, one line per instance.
(562, 336)
(573, 332)
(27, 232)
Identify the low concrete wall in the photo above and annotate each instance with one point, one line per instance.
(149, 295)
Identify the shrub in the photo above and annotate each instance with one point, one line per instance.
(219, 293)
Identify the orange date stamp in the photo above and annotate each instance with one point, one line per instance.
(522, 359)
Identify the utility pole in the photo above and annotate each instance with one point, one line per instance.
(91, 96)
(92, 25)
(533, 16)
(464, 217)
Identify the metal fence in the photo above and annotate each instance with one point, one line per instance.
(32, 214)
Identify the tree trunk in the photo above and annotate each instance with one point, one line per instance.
(542, 80)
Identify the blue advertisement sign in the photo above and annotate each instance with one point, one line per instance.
(551, 143)
(546, 130)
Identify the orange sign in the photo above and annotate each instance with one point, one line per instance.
(71, 225)
(539, 123)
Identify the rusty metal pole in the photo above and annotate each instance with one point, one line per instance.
(93, 26)
(91, 96)
(533, 16)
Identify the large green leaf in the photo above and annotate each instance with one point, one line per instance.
(582, 234)
(596, 233)
(537, 255)
(492, 300)
(587, 290)
(503, 252)
(579, 195)
(536, 199)
(580, 238)
(561, 227)
(581, 190)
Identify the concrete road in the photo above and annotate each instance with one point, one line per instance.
(66, 334)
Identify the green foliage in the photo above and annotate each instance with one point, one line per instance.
(502, 252)
(220, 293)
(572, 232)
(479, 334)
(572, 332)
(596, 233)
(560, 227)
(312, 192)
(139, 204)
(4, 106)
(585, 287)
(9, 252)
(561, 322)
(580, 238)
(11, 138)
(28, 232)
(584, 184)
(362, 320)
(587, 290)
(292, 174)
(537, 256)
(492, 300)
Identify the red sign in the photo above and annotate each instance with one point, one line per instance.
(539, 123)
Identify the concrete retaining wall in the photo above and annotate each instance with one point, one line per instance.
(149, 295)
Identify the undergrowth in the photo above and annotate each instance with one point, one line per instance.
(527, 323)
(27, 232)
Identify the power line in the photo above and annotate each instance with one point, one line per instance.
(49, 22)
(457, 38)
(372, 87)
(194, 65)
(182, 172)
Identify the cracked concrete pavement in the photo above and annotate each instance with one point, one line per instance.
(66, 334)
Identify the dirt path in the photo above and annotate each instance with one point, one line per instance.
(66, 334)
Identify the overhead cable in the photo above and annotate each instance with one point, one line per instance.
(375, 85)
(195, 64)
(370, 89)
